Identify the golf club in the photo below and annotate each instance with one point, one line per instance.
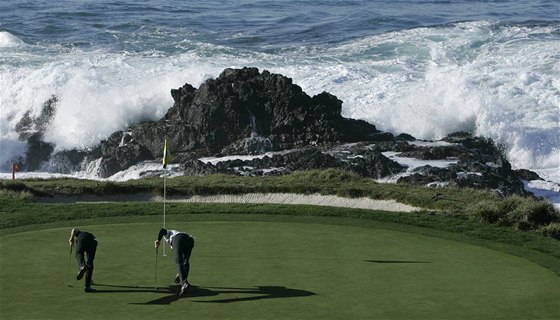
(155, 273)
(68, 275)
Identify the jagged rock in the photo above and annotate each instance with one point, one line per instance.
(67, 162)
(194, 167)
(481, 165)
(369, 163)
(528, 175)
(246, 112)
(121, 152)
(374, 165)
(32, 130)
(436, 152)
(37, 152)
(427, 175)
(25, 126)
(496, 176)
(395, 145)
(290, 161)
(242, 111)
(29, 125)
(252, 146)
(405, 137)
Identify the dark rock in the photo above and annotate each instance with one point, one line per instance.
(29, 125)
(405, 137)
(25, 126)
(241, 112)
(37, 152)
(68, 162)
(426, 175)
(527, 175)
(369, 163)
(481, 165)
(295, 160)
(374, 165)
(246, 112)
(32, 130)
(396, 146)
(495, 176)
(194, 167)
(243, 106)
(435, 153)
(121, 152)
(252, 146)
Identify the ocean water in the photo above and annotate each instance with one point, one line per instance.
(427, 68)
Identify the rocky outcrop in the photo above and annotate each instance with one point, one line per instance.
(242, 111)
(31, 129)
(247, 112)
(481, 164)
(371, 163)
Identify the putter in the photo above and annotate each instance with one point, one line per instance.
(155, 273)
(68, 275)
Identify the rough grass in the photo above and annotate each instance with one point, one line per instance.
(327, 182)
(516, 212)
(521, 213)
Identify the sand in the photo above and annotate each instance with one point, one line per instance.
(291, 198)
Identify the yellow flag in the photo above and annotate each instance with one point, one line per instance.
(166, 154)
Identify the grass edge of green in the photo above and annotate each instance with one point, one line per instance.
(265, 213)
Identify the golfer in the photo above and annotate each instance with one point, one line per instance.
(182, 245)
(85, 244)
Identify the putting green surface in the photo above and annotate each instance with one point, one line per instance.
(272, 270)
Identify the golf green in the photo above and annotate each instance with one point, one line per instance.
(272, 270)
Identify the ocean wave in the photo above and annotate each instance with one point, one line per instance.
(495, 80)
(9, 40)
(492, 79)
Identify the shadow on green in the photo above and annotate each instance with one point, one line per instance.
(273, 270)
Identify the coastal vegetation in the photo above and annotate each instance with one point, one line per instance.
(371, 253)
(522, 213)
(514, 220)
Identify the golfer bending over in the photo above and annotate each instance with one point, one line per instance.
(85, 243)
(182, 245)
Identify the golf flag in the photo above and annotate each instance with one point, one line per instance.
(166, 154)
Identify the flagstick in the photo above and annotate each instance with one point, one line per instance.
(164, 190)
(165, 161)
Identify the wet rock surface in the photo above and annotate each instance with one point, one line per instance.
(258, 123)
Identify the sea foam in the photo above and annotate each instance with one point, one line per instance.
(498, 81)
(9, 40)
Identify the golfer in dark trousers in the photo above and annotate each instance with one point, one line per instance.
(182, 245)
(85, 244)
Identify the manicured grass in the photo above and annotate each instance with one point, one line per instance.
(469, 255)
(20, 215)
(270, 267)
(521, 213)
